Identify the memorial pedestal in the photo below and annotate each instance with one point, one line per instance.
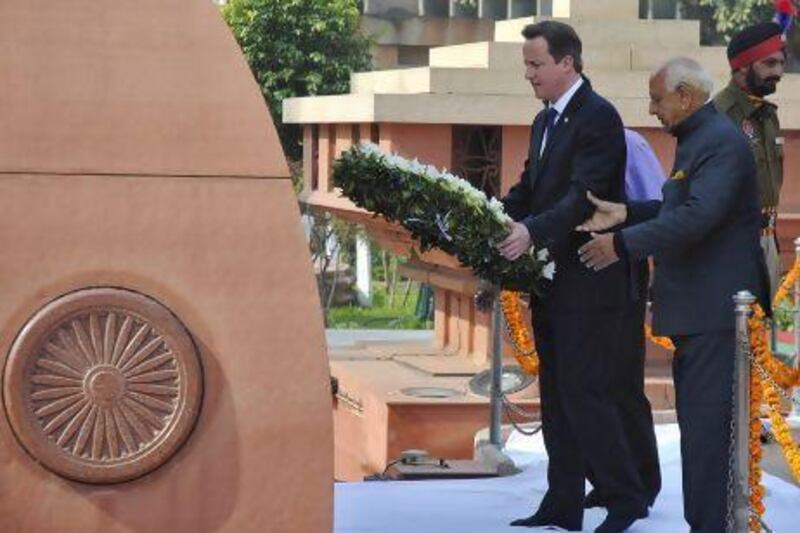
(161, 339)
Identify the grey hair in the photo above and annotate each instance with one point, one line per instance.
(685, 71)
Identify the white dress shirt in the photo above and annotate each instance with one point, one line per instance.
(560, 106)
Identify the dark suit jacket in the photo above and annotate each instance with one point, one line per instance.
(705, 234)
(586, 151)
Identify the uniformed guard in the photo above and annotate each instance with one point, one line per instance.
(757, 56)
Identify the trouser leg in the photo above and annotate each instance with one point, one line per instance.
(589, 353)
(703, 372)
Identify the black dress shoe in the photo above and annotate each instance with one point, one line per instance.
(593, 499)
(619, 523)
(541, 519)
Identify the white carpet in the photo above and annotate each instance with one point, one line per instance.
(488, 505)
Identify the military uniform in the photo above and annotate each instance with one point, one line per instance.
(758, 120)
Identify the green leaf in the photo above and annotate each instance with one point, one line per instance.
(298, 48)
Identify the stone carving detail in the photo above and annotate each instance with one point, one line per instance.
(102, 385)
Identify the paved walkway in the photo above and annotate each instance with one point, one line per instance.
(346, 338)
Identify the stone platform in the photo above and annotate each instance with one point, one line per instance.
(376, 414)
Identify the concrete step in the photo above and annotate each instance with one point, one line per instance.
(436, 80)
(508, 56)
(451, 108)
(613, 57)
(713, 58)
(478, 55)
(613, 32)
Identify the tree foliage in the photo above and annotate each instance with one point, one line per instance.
(731, 16)
(298, 48)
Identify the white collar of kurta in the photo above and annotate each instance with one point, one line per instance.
(563, 101)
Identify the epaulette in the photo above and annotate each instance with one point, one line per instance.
(724, 100)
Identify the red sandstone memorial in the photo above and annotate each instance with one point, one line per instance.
(161, 343)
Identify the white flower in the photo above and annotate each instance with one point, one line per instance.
(542, 255)
(549, 270)
(396, 161)
(432, 172)
(370, 149)
(496, 208)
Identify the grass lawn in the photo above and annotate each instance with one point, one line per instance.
(399, 315)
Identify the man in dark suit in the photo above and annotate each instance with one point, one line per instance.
(704, 238)
(644, 178)
(580, 322)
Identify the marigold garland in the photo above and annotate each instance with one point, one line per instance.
(764, 358)
(787, 285)
(785, 376)
(760, 391)
(664, 342)
(756, 452)
(781, 431)
(522, 340)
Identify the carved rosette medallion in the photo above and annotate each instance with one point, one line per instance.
(103, 385)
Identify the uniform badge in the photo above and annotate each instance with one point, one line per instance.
(750, 131)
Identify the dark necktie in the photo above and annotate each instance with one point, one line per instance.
(550, 119)
(549, 124)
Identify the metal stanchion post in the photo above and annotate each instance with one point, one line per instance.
(497, 375)
(739, 490)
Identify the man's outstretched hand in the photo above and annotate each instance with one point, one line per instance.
(599, 253)
(517, 243)
(606, 216)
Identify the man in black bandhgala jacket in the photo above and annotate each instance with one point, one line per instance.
(704, 239)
